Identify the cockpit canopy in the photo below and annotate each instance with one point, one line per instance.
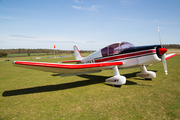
(115, 48)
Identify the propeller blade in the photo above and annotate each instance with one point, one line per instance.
(163, 51)
(164, 64)
(160, 37)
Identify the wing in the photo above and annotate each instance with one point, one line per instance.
(67, 69)
(170, 55)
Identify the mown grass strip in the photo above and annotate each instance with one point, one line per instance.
(31, 54)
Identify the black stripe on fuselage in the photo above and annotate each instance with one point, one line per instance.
(132, 50)
(138, 48)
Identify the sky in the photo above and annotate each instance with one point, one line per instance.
(89, 24)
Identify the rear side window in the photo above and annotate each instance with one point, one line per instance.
(104, 51)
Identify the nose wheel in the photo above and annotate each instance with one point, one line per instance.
(148, 75)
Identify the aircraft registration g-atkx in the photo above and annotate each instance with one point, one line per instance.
(115, 56)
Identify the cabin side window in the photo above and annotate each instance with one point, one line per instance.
(115, 48)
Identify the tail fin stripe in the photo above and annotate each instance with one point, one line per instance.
(78, 51)
(77, 54)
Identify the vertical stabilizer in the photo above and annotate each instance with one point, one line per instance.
(77, 54)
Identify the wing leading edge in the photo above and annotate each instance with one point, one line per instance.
(67, 69)
(170, 55)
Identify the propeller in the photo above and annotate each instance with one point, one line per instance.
(162, 52)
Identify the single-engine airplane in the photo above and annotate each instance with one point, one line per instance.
(115, 56)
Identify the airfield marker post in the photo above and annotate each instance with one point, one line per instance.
(54, 50)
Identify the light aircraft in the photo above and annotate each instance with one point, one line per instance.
(115, 56)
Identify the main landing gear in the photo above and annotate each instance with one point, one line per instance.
(117, 79)
(148, 75)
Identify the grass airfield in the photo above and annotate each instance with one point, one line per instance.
(32, 94)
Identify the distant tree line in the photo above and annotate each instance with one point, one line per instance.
(172, 46)
(5, 52)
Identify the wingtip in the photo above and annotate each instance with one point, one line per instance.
(14, 62)
(170, 55)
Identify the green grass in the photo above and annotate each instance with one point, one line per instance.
(32, 94)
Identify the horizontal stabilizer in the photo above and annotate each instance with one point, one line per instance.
(70, 61)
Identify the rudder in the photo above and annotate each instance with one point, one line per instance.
(77, 54)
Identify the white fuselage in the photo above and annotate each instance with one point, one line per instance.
(131, 59)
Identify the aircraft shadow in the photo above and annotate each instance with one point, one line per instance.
(56, 74)
(92, 79)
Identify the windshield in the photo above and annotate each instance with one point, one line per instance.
(115, 48)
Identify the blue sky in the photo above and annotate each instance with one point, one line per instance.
(89, 24)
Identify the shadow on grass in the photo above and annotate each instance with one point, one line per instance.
(93, 79)
(56, 74)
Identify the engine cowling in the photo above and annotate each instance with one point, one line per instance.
(160, 51)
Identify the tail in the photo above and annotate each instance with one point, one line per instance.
(77, 54)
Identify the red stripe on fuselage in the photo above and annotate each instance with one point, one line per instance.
(126, 55)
